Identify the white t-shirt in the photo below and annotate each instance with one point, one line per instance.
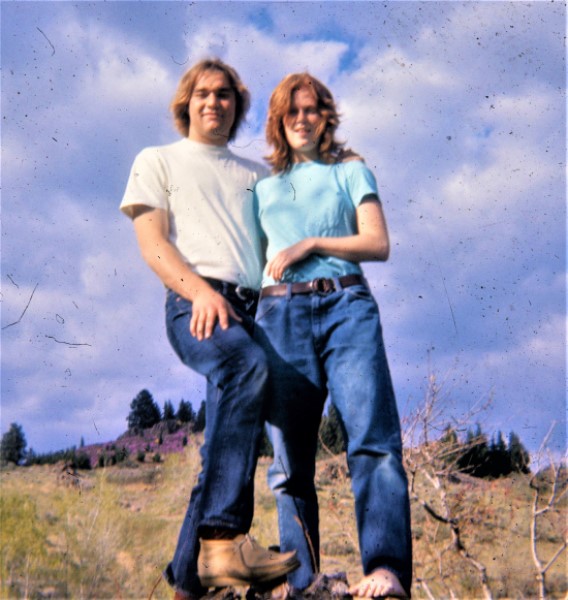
(208, 194)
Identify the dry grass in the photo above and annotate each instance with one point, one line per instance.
(110, 536)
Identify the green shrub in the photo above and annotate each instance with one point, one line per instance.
(82, 461)
(121, 454)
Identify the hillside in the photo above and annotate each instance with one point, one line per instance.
(107, 533)
(162, 439)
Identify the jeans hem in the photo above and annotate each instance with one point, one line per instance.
(216, 523)
(168, 577)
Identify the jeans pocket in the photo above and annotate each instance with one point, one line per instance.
(176, 306)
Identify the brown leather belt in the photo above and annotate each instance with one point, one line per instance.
(225, 287)
(319, 285)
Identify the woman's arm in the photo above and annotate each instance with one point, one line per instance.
(152, 229)
(371, 242)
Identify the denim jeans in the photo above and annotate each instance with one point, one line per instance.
(319, 343)
(236, 371)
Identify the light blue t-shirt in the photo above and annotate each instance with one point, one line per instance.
(313, 199)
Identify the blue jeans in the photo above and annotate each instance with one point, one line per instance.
(319, 343)
(236, 371)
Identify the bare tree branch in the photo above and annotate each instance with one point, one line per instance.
(558, 489)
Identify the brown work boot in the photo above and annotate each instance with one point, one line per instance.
(241, 561)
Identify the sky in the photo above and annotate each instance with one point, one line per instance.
(459, 108)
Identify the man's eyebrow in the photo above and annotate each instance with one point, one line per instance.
(225, 88)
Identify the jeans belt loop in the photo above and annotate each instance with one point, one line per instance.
(337, 284)
(288, 292)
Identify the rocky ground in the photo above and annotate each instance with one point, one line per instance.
(325, 587)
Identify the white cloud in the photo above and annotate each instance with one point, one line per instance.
(96, 88)
(261, 56)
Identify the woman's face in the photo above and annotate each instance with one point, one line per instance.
(301, 125)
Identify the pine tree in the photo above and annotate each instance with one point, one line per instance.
(199, 424)
(451, 446)
(144, 412)
(185, 412)
(499, 462)
(330, 432)
(520, 458)
(168, 413)
(265, 447)
(13, 445)
(479, 458)
(474, 459)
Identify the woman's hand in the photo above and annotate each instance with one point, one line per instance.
(285, 258)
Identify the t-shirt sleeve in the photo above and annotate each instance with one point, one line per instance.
(147, 183)
(360, 181)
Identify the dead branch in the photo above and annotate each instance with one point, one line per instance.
(558, 490)
(433, 462)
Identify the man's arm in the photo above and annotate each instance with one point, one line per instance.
(371, 242)
(152, 228)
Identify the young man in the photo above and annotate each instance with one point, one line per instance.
(192, 207)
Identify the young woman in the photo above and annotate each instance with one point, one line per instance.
(321, 331)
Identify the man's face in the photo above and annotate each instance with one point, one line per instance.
(301, 125)
(211, 109)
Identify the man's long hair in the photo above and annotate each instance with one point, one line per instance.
(180, 103)
(329, 149)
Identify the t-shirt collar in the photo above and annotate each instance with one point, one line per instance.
(206, 148)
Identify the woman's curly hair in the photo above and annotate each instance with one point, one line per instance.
(329, 149)
(180, 103)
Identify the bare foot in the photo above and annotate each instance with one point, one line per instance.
(381, 583)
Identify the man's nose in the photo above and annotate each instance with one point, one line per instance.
(212, 99)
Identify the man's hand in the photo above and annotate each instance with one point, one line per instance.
(283, 259)
(152, 227)
(208, 306)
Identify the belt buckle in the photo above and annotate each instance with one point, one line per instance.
(243, 293)
(321, 285)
